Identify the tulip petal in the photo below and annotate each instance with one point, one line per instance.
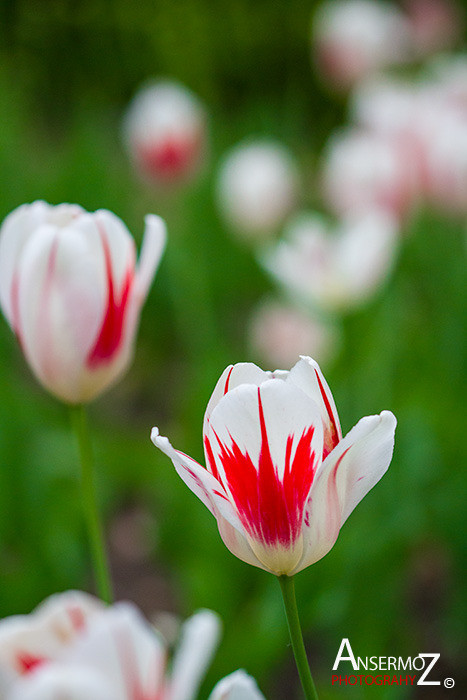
(237, 686)
(231, 377)
(121, 645)
(56, 682)
(345, 477)
(154, 240)
(199, 639)
(211, 492)
(307, 375)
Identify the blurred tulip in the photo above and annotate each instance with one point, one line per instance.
(165, 132)
(279, 333)
(364, 170)
(435, 25)
(355, 38)
(257, 188)
(114, 654)
(334, 271)
(238, 686)
(280, 479)
(29, 641)
(447, 165)
(72, 292)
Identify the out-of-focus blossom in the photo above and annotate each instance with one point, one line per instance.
(165, 132)
(435, 25)
(279, 333)
(72, 291)
(257, 187)
(447, 77)
(29, 641)
(280, 478)
(334, 270)
(364, 170)
(355, 38)
(111, 654)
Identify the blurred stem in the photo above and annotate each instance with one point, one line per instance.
(91, 512)
(287, 585)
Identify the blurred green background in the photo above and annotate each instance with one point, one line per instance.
(394, 582)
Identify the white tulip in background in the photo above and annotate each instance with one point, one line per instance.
(364, 170)
(75, 648)
(257, 187)
(279, 332)
(280, 479)
(72, 291)
(334, 269)
(165, 132)
(355, 38)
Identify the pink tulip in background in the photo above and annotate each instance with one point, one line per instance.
(356, 38)
(435, 25)
(165, 132)
(75, 648)
(257, 187)
(279, 332)
(364, 170)
(72, 290)
(280, 479)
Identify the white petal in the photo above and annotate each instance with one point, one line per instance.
(56, 682)
(120, 243)
(61, 304)
(212, 494)
(349, 472)
(231, 377)
(154, 240)
(15, 232)
(307, 375)
(199, 639)
(121, 645)
(238, 686)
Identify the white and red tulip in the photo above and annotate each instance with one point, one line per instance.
(72, 291)
(334, 270)
(165, 132)
(280, 479)
(257, 188)
(90, 651)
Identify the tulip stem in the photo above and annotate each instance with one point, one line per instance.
(91, 511)
(287, 585)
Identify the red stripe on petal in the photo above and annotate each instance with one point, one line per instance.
(28, 662)
(111, 333)
(332, 433)
(270, 509)
(226, 387)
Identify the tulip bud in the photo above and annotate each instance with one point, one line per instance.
(257, 187)
(165, 132)
(72, 291)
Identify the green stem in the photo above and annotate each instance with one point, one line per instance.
(91, 512)
(290, 604)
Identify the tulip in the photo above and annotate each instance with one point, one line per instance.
(364, 170)
(279, 332)
(165, 132)
(356, 38)
(257, 187)
(280, 479)
(72, 292)
(334, 271)
(116, 655)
